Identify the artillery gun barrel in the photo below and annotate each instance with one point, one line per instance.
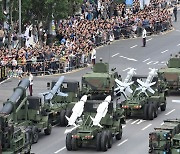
(18, 93)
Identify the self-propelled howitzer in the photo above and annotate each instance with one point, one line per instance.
(13, 138)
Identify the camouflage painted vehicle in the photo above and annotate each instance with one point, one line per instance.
(175, 144)
(145, 104)
(170, 75)
(161, 140)
(99, 82)
(101, 135)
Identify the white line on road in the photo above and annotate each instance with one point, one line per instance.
(123, 126)
(146, 127)
(115, 55)
(60, 150)
(178, 45)
(149, 62)
(156, 62)
(133, 46)
(128, 120)
(146, 60)
(170, 112)
(127, 69)
(4, 81)
(141, 121)
(128, 58)
(162, 123)
(135, 121)
(176, 101)
(164, 51)
(122, 142)
(149, 39)
(177, 30)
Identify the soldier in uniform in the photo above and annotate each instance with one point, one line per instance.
(31, 83)
(144, 37)
(175, 13)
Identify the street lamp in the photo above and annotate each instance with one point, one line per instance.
(20, 24)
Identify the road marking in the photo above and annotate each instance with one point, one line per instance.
(176, 101)
(135, 121)
(133, 46)
(162, 123)
(149, 39)
(60, 150)
(127, 69)
(156, 62)
(146, 127)
(123, 126)
(178, 30)
(178, 45)
(122, 142)
(170, 112)
(115, 55)
(164, 51)
(128, 58)
(141, 121)
(4, 81)
(146, 60)
(128, 120)
(149, 62)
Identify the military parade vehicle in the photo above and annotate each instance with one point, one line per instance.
(171, 74)
(101, 121)
(13, 137)
(100, 115)
(147, 97)
(58, 102)
(165, 139)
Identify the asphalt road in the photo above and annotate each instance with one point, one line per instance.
(122, 54)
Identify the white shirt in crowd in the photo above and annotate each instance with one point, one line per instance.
(144, 33)
(93, 55)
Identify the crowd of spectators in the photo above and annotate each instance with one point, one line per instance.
(98, 23)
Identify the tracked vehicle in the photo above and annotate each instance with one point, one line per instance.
(170, 75)
(147, 98)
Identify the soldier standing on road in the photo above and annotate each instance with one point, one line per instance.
(31, 83)
(175, 13)
(93, 56)
(144, 37)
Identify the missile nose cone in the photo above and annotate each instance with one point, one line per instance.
(108, 98)
(62, 78)
(84, 98)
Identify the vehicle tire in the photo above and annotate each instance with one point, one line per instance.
(151, 112)
(98, 141)
(74, 144)
(119, 135)
(104, 141)
(145, 112)
(163, 107)
(35, 134)
(68, 114)
(110, 138)
(48, 130)
(68, 141)
(62, 118)
(155, 110)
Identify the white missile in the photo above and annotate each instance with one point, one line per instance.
(101, 111)
(77, 111)
(56, 89)
(123, 86)
(148, 83)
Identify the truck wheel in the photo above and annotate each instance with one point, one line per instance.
(47, 131)
(104, 141)
(35, 134)
(62, 118)
(145, 112)
(98, 142)
(68, 114)
(110, 138)
(151, 112)
(163, 107)
(119, 135)
(155, 110)
(68, 141)
(74, 144)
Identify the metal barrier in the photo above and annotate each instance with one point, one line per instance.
(3, 73)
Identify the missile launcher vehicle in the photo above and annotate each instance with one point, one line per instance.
(165, 139)
(101, 121)
(170, 75)
(59, 102)
(15, 138)
(147, 98)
